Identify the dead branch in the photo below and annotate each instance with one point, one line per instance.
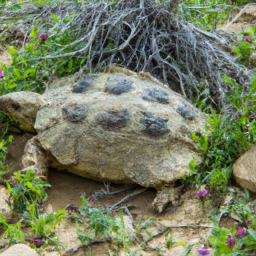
(141, 36)
(127, 198)
(177, 226)
(238, 15)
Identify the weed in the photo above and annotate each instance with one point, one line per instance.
(244, 51)
(169, 239)
(230, 135)
(100, 222)
(29, 189)
(207, 14)
(29, 70)
(3, 152)
(11, 231)
(42, 225)
(15, 234)
(236, 240)
(122, 237)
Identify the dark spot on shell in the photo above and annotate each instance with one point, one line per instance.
(75, 112)
(156, 95)
(118, 86)
(186, 112)
(16, 106)
(155, 125)
(113, 119)
(81, 87)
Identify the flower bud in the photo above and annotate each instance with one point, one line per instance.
(241, 231)
(231, 241)
(1, 73)
(204, 250)
(201, 194)
(43, 37)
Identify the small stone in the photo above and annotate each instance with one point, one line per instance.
(19, 250)
(244, 170)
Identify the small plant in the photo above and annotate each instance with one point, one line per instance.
(42, 225)
(122, 236)
(202, 195)
(207, 14)
(11, 231)
(29, 189)
(239, 240)
(169, 239)
(229, 136)
(100, 222)
(102, 225)
(15, 234)
(244, 51)
(29, 69)
(3, 149)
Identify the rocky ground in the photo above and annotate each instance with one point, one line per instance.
(185, 218)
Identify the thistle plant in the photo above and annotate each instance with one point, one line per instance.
(201, 195)
(236, 240)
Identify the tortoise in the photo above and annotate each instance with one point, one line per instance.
(117, 126)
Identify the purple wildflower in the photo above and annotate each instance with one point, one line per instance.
(231, 241)
(43, 37)
(204, 250)
(1, 73)
(38, 243)
(246, 38)
(201, 194)
(241, 231)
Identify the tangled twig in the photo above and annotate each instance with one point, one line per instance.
(144, 36)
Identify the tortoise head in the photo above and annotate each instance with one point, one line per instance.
(22, 107)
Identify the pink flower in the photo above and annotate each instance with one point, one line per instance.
(231, 241)
(204, 250)
(241, 231)
(246, 38)
(1, 73)
(201, 194)
(38, 243)
(43, 37)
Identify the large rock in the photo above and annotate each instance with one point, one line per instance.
(244, 170)
(23, 106)
(19, 250)
(121, 127)
(8, 214)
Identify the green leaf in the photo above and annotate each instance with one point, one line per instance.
(29, 185)
(11, 86)
(187, 250)
(9, 189)
(13, 52)
(181, 243)
(70, 65)
(252, 233)
(60, 213)
(30, 47)
(33, 32)
(55, 18)
(192, 166)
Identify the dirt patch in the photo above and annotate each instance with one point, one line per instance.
(5, 57)
(67, 189)
(246, 21)
(15, 152)
(249, 15)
